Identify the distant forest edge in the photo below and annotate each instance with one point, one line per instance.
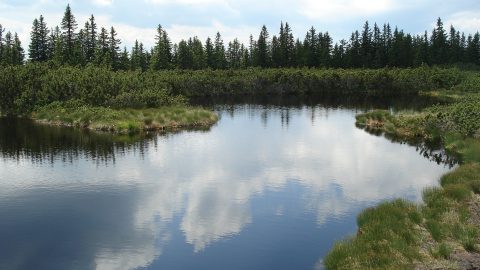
(373, 47)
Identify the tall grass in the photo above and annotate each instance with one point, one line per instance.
(77, 114)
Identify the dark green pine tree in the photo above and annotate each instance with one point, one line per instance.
(184, 55)
(34, 47)
(81, 47)
(299, 54)
(210, 53)
(162, 51)
(124, 62)
(43, 33)
(56, 46)
(378, 48)
(422, 48)
(473, 49)
(18, 54)
(1, 44)
(102, 54)
(234, 54)
(114, 49)
(263, 46)
(7, 49)
(456, 47)
(439, 45)
(253, 50)
(310, 47)
(69, 25)
(199, 58)
(366, 47)
(338, 54)
(324, 49)
(287, 46)
(354, 55)
(219, 53)
(139, 59)
(245, 61)
(91, 39)
(277, 57)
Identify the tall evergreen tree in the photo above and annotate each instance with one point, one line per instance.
(234, 54)
(366, 47)
(263, 45)
(162, 51)
(439, 45)
(102, 54)
(91, 39)
(34, 47)
(114, 48)
(210, 53)
(199, 59)
(220, 58)
(69, 25)
(310, 46)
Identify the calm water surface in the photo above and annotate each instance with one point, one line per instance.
(268, 187)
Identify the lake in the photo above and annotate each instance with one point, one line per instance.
(270, 186)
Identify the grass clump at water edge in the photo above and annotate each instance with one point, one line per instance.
(123, 121)
(442, 232)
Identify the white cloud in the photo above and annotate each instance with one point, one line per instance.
(342, 9)
(103, 2)
(466, 21)
(185, 2)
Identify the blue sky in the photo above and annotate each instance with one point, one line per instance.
(240, 18)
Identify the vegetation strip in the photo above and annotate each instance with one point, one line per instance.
(441, 233)
(123, 121)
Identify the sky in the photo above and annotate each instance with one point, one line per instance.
(240, 18)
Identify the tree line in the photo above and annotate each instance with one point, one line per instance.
(372, 47)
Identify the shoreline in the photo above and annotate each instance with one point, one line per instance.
(443, 232)
(125, 121)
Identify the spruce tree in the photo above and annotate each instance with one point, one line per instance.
(199, 59)
(34, 47)
(91, 40)
(219, 49)
(210, 53)
(38, 48)
(366, 46)
(114, 48)
(69, 25)
(263, 45)
(18, 54)
(277, 58)
(162, 51)
(2, 46)
(102, 54)
(124, 62)
(439, 46)
(235, 54)
(310, 46)
(184, 55)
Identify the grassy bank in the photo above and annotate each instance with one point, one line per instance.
(441, 233)
(124, 121)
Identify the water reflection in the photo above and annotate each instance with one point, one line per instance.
(269, 187)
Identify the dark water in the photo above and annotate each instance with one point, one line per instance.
(268, 187)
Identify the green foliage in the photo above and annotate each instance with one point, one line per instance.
(38, 84)
(22, 88)
(387, 239)
(462, 117)
(442, 251)
(125, 121)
